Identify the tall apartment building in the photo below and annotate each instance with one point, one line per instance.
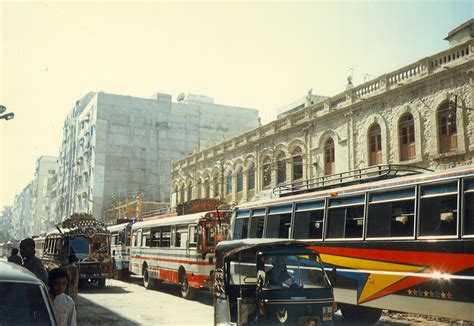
(6, 217)
(45, 167)
(114, 146)
(22, 223)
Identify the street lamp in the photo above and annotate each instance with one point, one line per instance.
(7, 116)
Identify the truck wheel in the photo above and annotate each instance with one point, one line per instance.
(360, 314)
(101, 283)
(148, 281)
(187, 291)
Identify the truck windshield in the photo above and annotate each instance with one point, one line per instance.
(79, 246)
(293, 271)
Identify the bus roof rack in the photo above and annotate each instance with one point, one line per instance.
(347, 178)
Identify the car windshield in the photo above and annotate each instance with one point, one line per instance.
(22, 304)
(293, 271)
(79, 246)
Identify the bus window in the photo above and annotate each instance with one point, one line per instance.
(146, 239)
(469, 207)
(345, 218)
(438, 209)
(135, 239)
(391, 214)
(193, 236)
(278, 222)
(256, 223)
(165, 237)
(155, 236)
(241, 224)
(113, 239)
(180, 238)
(309, 219)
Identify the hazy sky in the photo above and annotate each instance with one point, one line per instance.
(261, 55)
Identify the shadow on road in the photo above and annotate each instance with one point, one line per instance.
(92, 288)
(90, 313)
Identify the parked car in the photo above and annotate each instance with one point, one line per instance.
(24, 299)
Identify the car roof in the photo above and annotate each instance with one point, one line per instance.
(230, 247)
(11, 272)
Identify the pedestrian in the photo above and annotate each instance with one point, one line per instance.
(63, 305)
(73, 272)
(14, 258)
(30, 261)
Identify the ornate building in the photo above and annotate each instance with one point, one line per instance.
(421, 114)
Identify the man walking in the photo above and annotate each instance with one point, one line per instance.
(14, 258)
(30, 261)
(73, 272)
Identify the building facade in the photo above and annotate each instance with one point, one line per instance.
(115, 146)
(45, 168)
(420, 114)
(22, 221)
(6, 217)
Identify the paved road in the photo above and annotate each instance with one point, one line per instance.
(122, 303)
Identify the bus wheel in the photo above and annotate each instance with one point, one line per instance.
(187, 291)
(360, 314)
(148, 281)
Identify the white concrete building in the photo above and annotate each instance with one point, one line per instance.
(45, 167)
(420, 114)
(22, 221)
(6, 217)
(115, 146)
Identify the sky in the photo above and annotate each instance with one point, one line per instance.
(261, 55)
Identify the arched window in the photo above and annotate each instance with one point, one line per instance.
(329, 157)
(176, 191)
(228, 183)
(251, 176)
(266, 172)
(297, 164)
(281, 168)
(215, 184)
(183, 194)
(190, 191)
(240, 179)
(447, 129)
(198, 189)
(375, 145)
(406, 133)
(207, 187)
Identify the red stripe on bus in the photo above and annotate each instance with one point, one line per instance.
(190, 262)
(171, 275)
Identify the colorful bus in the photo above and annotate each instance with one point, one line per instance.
(178, 249)
(120, 240)
(398, 243)
(86, 238)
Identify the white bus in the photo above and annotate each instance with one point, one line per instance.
(178, 249)
(120, 236)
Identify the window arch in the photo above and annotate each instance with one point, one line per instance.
(215, 184)
(297, 164)
(329, 157)
(375, 144)
(447, 128)
(190, 191)
(251, 176)
(266, 172)
(198, 189)
(406, 133)
(183, 194)
(240, 179)
(281, 168)
(228, 184)
(207, 187)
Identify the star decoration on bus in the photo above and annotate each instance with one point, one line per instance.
(382, 272)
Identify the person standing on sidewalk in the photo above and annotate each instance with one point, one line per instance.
(73, 272)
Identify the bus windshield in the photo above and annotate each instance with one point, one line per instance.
(293, 271)
(215, 233)
(79, 246)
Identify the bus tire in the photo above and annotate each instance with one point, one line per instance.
(360, 314)
(187, 292)
(148, 281)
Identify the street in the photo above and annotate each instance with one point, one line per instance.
(123, 303)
